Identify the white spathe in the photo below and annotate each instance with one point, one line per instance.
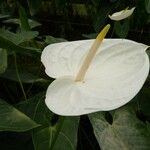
(122, 14)
(115, 76)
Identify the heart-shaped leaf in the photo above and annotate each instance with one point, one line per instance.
(12, 119)
(126, 132)
(62, 135)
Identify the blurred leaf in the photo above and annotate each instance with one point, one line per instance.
(3, 60)
(126, 132)
(90, 36)
(122, 29)
(47, 135)
(79, 9)
(51, 39)
(13, 120)
(147, 5)
(25, 77)
(34, 5)
(18, 38)
(3, 16)
(32, 23)
(23, 19)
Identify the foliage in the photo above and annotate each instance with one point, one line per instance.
(26, 27)
(124, 126)
(14, 120)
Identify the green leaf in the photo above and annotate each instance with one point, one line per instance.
(36, 106)
(3, 60)
(62, 135)
(25, 77)
(126, 132)
(23, 19)
(8, 35)
(122, 29)
(51, 39)
(13, 120)
(26, 36)
(7, 43)
(32, 23)
(18, 38)
(65, 139)
(147, 5)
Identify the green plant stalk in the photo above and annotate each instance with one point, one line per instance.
(17, 72)
(58, 128)
(24, 24)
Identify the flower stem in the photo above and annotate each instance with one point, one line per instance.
(92, 52)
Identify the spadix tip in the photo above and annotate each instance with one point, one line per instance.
(103, 33)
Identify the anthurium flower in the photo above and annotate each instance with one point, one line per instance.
(122, 14)
(90, 77)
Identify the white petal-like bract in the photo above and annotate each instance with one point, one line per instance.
(122, 14)
(114, 77)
